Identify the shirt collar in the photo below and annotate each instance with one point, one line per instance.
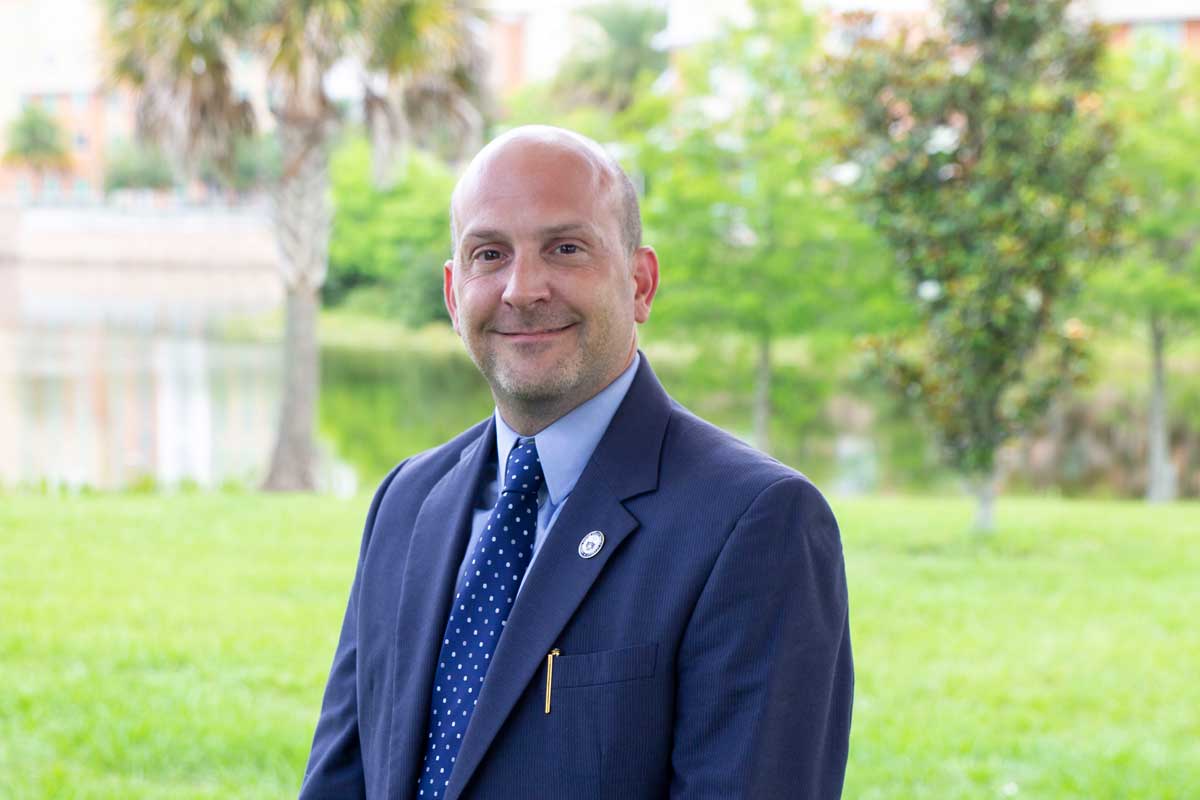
(566, 445)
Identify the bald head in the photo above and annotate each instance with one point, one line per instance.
(534, 140)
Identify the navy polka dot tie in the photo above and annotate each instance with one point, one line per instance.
(483, 597)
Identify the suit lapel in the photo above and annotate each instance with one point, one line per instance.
(440, 536)
(625, 464)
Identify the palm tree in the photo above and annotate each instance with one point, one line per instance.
(36, 140)
(607, 70)
(423, 84)
(178, 54)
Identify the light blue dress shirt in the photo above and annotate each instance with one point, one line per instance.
(564, 447)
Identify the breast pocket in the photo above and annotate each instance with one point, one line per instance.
(607, 666)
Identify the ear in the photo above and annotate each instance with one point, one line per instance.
(448, 292)
(645, 281)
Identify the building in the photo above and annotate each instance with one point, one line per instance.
(1175, 21)
(57, 66)
(52, 54)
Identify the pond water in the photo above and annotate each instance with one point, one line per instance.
(105, 408)
(111, 408)
(378, 407)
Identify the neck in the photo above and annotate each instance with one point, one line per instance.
(530, 419)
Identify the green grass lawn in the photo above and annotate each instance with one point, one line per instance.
(176, 647)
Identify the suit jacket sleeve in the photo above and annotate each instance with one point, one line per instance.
(335, 768)
(765, 679)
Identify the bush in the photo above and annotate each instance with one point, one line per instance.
(395, 240)
(137, 166)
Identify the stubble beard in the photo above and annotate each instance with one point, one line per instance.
(537, 391)
(546, 387)
(545, 395)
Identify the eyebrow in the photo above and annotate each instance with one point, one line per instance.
(550, 231)
(566, 228)
(483, 234)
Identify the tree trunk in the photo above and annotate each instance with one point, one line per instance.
(1161, 481)
(762, 396)
(302, 220)
(984, 488)
(294, 460)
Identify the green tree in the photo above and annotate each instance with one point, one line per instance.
(389, 245)
(617, 60)
(179, 53)
(741, 200)
(981, 146)
(1155, 93)
(37, 141)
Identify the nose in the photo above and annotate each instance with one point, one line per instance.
(528, 280)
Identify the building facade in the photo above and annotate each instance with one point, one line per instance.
(53, 55)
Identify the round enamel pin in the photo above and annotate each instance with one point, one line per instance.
(590, 545)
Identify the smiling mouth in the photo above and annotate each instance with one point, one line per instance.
(534, 335)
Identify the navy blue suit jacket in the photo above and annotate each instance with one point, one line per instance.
(705, 651)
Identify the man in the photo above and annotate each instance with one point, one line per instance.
(592, 593)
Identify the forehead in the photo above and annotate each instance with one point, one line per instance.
(530, 185)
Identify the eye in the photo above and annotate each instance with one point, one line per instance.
(488, 254)
(567, 249)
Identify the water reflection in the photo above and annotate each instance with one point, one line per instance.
(110, 407)
(380, 406)
(107, 408)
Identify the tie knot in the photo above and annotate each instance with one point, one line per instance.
(523, 472)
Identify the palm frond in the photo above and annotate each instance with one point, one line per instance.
(177, 55)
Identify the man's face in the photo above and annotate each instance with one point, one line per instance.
(542, 289)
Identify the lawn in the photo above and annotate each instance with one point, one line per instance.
(176, 647)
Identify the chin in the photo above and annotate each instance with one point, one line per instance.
(536, 386)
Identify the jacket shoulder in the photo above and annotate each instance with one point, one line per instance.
(720, 469)
(696, 440)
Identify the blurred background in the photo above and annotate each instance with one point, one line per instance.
(943, 257)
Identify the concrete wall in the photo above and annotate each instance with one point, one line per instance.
(145, 269)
